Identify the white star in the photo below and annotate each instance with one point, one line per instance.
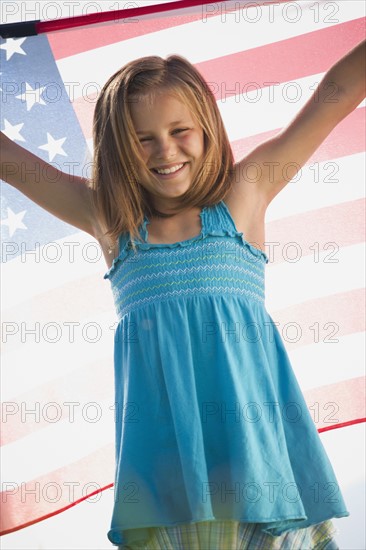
(13, 130)
(12, 46)
(53, 147)
(32, 96)
(14, 221)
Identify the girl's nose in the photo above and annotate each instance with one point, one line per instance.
(165, 148)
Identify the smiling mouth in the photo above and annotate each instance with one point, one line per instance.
(171, 170)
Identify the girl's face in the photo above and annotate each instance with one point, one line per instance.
(172, 143)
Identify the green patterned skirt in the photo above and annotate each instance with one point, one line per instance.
(234, 535)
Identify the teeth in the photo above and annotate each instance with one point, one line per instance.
(169, 170)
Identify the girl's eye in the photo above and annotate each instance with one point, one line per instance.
(176, 131)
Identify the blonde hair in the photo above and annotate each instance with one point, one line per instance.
(120, 199)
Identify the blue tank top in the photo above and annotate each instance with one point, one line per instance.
(211, 423)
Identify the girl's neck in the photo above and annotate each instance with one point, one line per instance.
(180, 227)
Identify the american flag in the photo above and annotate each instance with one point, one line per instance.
(262, 61)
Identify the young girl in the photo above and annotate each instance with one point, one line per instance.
(215, 446)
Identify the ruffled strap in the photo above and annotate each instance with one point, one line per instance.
(218, 221)
(123, 250)
(215, 220)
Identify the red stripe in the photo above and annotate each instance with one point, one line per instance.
(113, 15)
(282, 61)
(336, 315)
(22, 510)
(314, 231)
(65, 44)
(343, 424)
(38, 519)
(77, 386)
(347, 138)
(336, 405)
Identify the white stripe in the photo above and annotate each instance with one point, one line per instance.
(78, 71)
(321, 185)
(28, 364)
(256, 112)
(76, 255)
(326, 362)
(346, 448)
(289, 283)
(90, 145)
(59, 443)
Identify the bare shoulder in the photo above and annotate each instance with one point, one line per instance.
(247, 205)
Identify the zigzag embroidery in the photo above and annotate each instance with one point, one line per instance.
(171, 283)
(186, 292)
(235, 247)
(193, 269)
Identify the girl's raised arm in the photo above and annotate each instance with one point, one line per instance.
(341, 90)
(66, 196)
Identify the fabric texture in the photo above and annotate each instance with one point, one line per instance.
(233, 535)
(211, 423)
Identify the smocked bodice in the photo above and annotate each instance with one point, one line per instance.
(218, 261)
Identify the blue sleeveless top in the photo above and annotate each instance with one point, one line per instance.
(211, 423)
